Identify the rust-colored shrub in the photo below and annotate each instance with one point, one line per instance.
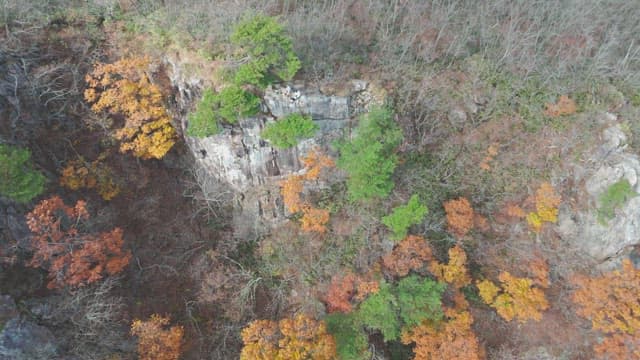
(411, 254)
(314, 162)
(124, 89)
(314, 220)
(460, 216)
(340, 292)
(564, 106)
(71, 256)
(156, 340)
(345, 289)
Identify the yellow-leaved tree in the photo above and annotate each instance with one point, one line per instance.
(156, 339)
(455, 272)
(124, 90)
(300, 337)
(516, 298)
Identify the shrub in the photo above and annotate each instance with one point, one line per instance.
(233, 103)
(402, 217)
(269, 52)
(287, 132)
(614, 197)
(368, 158)
(410, 302)
(203, 122)
(18, 180)
(419, 299)
(351, 340)
(379, 312)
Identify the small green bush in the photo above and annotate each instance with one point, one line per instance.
(419, 299)
(368, 158)
(268, 51)
(18, 180)
(615, 196)
(203, 122)
(287, 132)
(351, 340)
(402, 217)
(234, 102)
(379, 312)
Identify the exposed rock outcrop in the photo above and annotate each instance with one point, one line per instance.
(609, 164)
(249, 166)
(22, 339)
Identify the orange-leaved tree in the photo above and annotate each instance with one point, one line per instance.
(156, 339)
(451, 339)
(455, 271)
(291, 190)
(516, 298)
(460, 216)
(314, 162)
(411, 254)
(300, 337)
(314, 219)
(124, 89)
(611, 302)
(345, 289)
(62, 245)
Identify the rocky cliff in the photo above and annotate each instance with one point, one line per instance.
(250, 167)
(608, 164)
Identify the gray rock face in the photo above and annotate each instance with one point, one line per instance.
(21, 339)
(583, 230)
(249, 166)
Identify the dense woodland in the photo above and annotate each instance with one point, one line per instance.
(435, 227)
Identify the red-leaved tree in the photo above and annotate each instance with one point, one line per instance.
(62, 245)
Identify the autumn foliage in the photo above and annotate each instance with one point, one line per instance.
(452, 339)
(516, 298)
(79, 174)
(547, 202)
(298, 338)
(460, 216)
(346, 289)
(564, 106)
(455, 271)
(62, 245)
(611, 303)
(411, 254)
(313, 219)
(124, 89)
(156, 339)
